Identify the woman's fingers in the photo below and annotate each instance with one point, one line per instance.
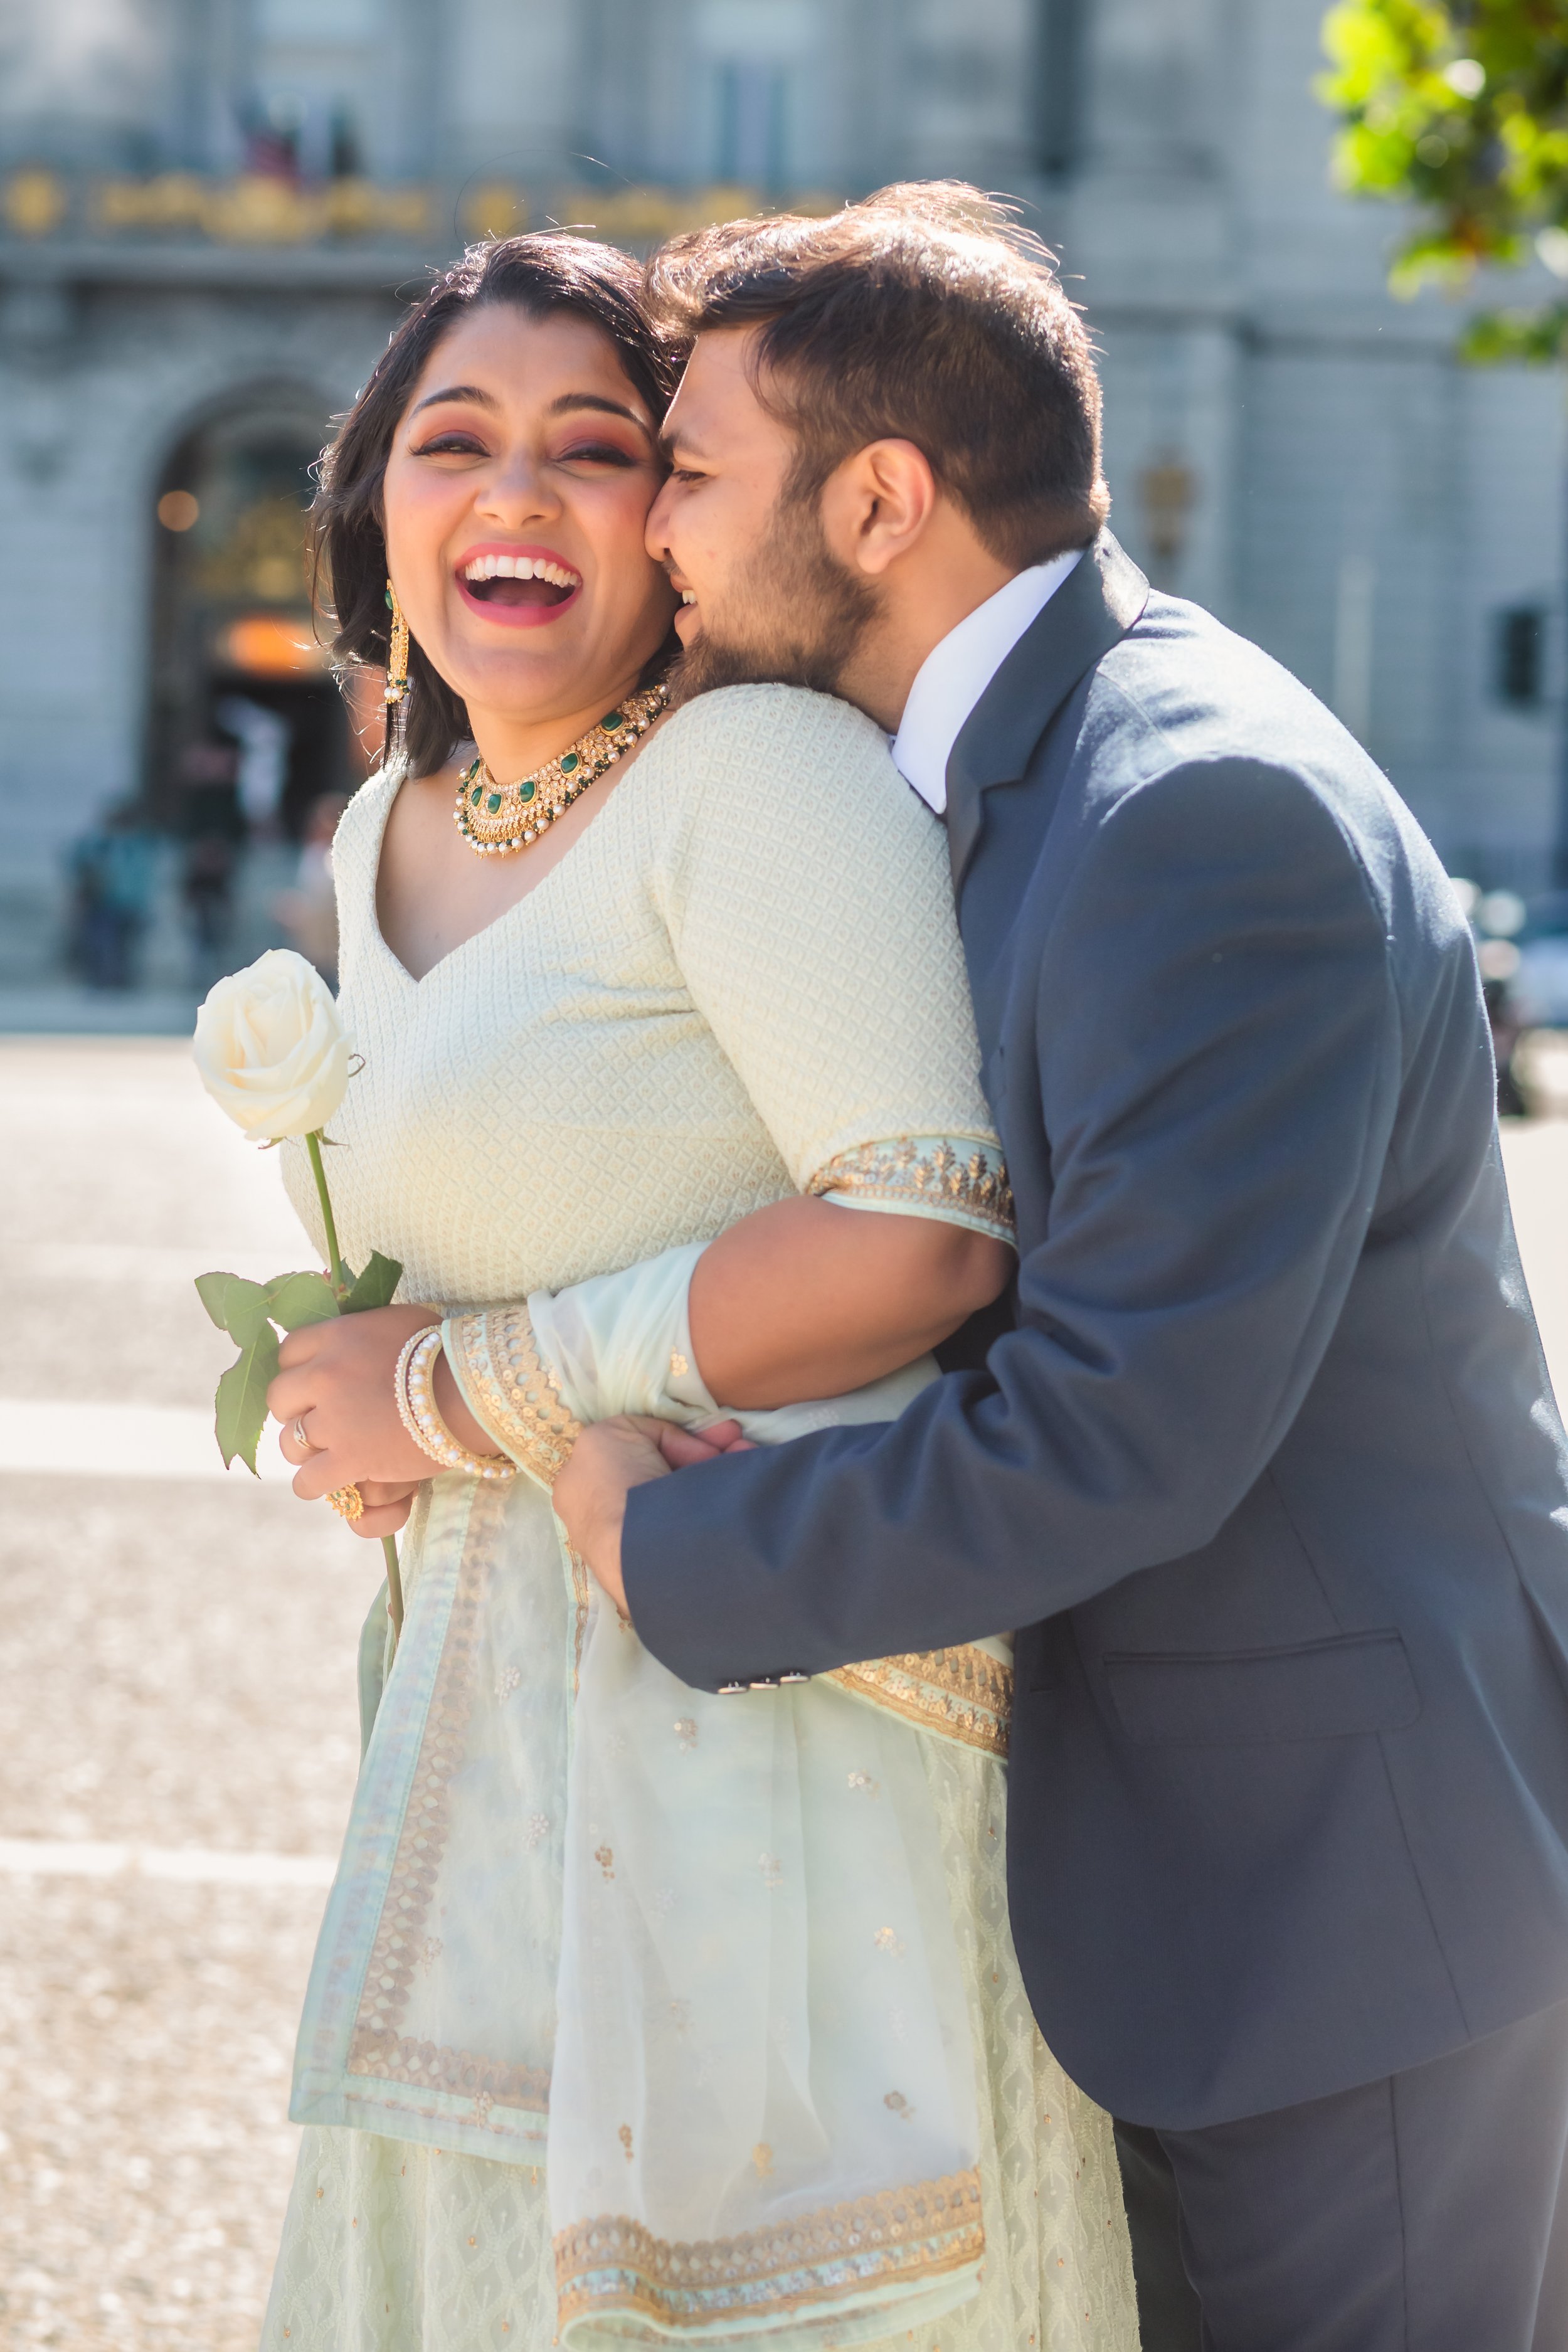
(381, 1519)
(296, 1348)
(387, 1490)
(294, 1440)
(315, 1477)
(289, 1393)
(387, 1502)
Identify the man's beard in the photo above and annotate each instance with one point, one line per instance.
(796, 614)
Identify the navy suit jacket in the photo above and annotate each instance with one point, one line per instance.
(1269, 1474)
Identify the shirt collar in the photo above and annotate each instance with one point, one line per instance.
(957, 671)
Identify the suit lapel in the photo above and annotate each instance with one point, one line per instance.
(1094, 607)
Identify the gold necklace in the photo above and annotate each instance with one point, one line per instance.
(495, 819)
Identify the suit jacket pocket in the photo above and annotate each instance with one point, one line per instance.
(1338, 1689)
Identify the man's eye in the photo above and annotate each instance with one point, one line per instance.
(686, 474)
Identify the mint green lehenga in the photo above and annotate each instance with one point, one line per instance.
(641, 2014)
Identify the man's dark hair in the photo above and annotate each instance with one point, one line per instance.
(924, 314)
(542, 276)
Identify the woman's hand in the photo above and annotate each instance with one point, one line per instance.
(341, 1425)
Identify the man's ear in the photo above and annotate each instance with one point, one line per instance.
(877, 504)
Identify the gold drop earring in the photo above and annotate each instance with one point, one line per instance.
(397, 695)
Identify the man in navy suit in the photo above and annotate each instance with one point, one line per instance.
(1263, 1465)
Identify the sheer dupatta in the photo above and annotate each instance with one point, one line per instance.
(761, 2111)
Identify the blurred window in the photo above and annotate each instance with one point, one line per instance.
(757, 55)
(313, 87)
(1520, 654)
(319, 24)
(1059, 84)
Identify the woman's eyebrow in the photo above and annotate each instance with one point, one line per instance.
(569, 400)
(454, 392)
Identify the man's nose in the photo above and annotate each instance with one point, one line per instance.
(656, 537)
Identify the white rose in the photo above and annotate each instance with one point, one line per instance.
(270, 1047)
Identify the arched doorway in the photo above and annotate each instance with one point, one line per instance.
(242, 701)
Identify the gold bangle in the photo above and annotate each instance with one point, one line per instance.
(348, 1503)
(414, 1385)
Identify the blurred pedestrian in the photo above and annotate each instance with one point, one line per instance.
(213, 825)
(308, 911)
(1507, 1028)
(113, 868)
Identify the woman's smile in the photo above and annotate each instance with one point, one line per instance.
(522, 587)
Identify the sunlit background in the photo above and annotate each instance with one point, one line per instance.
(211, 213)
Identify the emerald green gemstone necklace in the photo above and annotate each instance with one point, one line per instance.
(495, 819)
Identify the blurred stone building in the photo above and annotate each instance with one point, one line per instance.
(210, 211)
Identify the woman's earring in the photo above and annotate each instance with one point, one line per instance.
(397, 695)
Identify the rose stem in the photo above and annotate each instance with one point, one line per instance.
(341, 1284)
(394, 1587)
(339, 1272)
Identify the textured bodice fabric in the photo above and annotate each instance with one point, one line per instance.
(746, 967)
(745, 970)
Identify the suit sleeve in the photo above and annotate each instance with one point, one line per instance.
(1216, 1072)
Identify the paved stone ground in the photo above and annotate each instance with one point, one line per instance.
(176, 1671)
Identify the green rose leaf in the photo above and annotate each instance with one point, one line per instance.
(375, 1286)
(296, 1299)
(241, 1400)
(212, 1289)
(236, 1305)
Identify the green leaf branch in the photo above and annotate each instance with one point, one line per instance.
(254, 1313)
(1459, 110)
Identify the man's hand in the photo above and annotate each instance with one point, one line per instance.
(608, 1460)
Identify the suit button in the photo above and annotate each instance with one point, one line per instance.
(727, 1690)
(795, 1678)
(765, 1682)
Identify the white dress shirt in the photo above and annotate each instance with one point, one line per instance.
(957, 671)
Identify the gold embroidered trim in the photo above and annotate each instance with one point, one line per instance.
(430, 2067)
(582, 1600)
(896, 2235)
(965, 1692)
(920, 1168)
(510, 1391)
(377, 2047)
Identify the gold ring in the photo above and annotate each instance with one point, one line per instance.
(348, 1503)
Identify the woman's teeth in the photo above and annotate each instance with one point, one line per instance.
(521, 567)
(689, 595)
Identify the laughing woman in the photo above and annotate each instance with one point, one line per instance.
(640, 2014)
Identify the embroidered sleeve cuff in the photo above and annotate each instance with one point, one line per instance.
(496, 1364)
(958, 1179)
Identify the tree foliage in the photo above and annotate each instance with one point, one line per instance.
(1460, 107)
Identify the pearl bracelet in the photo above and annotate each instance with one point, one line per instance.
(414, 1386)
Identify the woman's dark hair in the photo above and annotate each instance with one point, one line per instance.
(541, 274)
